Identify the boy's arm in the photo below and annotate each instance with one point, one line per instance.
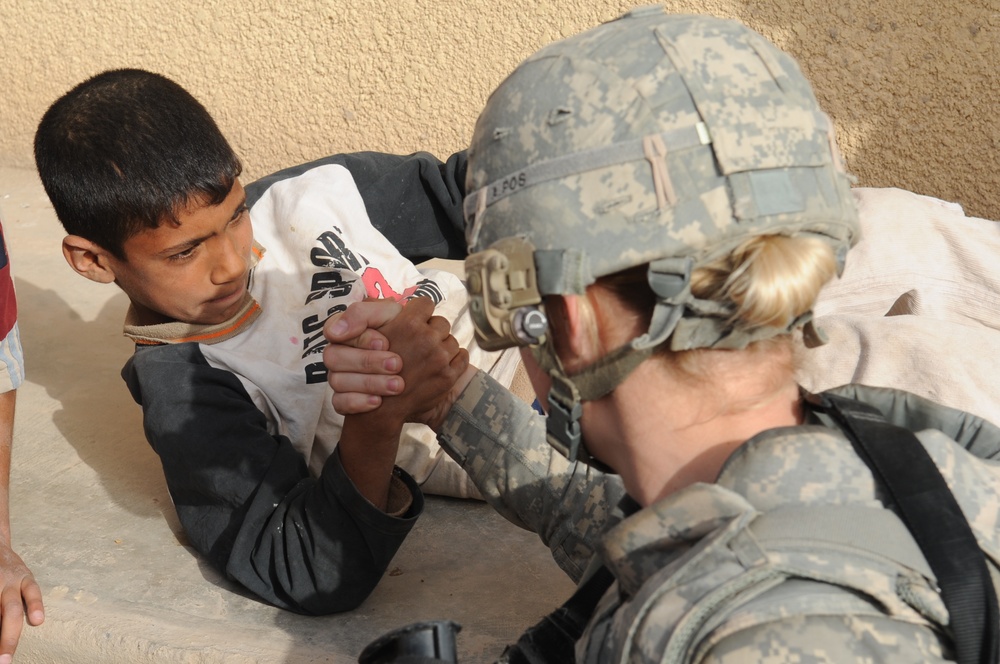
(415, 201)
(369, 441)
(19, 592)
(246, 499)
(18, 589)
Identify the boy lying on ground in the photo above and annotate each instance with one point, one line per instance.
(301, 506)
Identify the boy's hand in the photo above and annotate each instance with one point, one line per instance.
(20, 596)
(361, 370)
(434, 362)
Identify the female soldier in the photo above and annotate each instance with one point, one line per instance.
(653, 208)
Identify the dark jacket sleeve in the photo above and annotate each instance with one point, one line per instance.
(415, 201)
(246, 499)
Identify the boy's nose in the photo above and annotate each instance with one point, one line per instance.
(230, 263)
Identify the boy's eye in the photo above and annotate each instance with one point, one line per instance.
(181, 255)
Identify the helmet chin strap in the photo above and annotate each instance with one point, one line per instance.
(566, 396)
(668, 278)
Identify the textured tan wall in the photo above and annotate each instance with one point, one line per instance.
(912, 84)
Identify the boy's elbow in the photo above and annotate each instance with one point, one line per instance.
(313, 589)
(326, 602)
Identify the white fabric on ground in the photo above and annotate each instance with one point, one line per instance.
(918, 305)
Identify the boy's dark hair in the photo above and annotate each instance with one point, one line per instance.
(125, 150)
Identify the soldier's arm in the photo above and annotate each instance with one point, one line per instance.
(500, 442)
(496, 438)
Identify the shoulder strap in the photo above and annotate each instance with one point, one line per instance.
(929, 509)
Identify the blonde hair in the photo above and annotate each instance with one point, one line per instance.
(770, 280)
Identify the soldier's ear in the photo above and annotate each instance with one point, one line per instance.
(88, 259)
(574, 329)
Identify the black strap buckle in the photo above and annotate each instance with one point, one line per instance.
(563, 421)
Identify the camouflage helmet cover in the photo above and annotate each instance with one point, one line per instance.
(652, 137)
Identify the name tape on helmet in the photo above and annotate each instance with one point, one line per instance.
(619, 153)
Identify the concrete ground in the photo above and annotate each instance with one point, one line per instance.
(92, 518)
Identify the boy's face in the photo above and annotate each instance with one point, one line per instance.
(193, 271)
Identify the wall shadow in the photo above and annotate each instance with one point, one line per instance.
(78, 363)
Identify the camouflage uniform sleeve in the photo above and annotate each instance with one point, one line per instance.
(500, 442)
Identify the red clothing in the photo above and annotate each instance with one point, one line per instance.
(8, 304)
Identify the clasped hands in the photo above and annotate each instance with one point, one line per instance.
(399, 359)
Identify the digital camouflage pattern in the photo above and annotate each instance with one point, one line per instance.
(654, 136)
(567, 504)
(753, 568)
(655, 139)
(667, 140)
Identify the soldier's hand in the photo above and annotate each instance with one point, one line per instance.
(433, 362)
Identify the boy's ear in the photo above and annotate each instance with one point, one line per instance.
(88, 259)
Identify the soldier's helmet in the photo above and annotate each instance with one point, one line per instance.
(655, 139)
